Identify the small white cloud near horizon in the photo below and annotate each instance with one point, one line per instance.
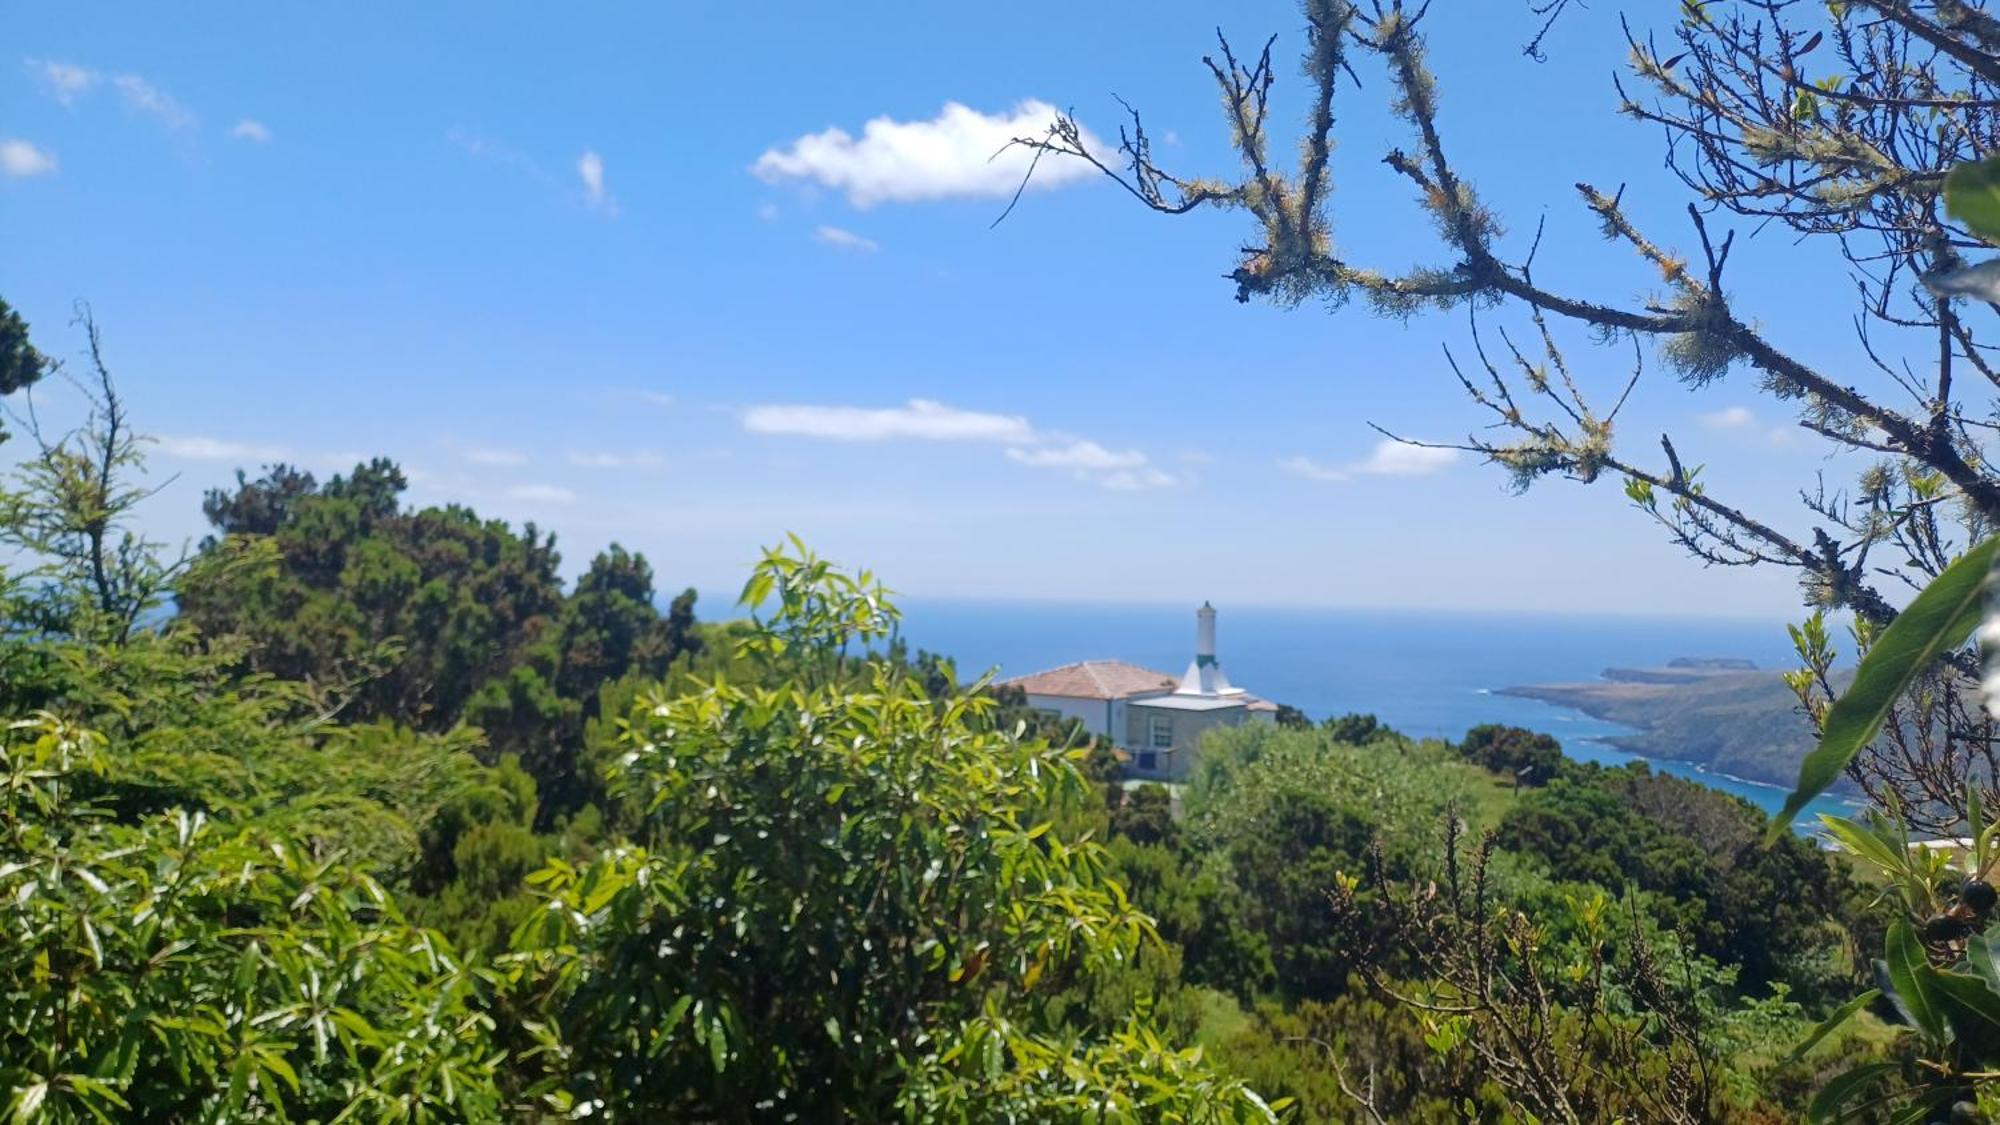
(541, 494)
(845, 240)
(495, 458)
(959, 154)
(1136, 480)
(1729, 418)
(601, 459)
(919, 418)
(1312, 470)
(20, 160)
(1389, 458)
(1079, 454)
(252, 130)
(1393, 458)
(194, 447)
(590, 169)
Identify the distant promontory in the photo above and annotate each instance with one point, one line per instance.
(1721, 713)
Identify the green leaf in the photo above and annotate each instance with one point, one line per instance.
(1835, 1095)
(1972, 1008)
(1972, 196)
(1909, 978)
(1831, 1024)
(1857, 839)
(1981, 955)
(1938, 620)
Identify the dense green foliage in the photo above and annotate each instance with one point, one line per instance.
(432, 617)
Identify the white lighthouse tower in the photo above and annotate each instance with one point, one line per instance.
(1204, 676)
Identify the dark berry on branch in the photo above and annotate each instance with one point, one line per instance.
(1944, 928)
(1978, 894)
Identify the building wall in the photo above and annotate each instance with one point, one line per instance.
(1188, 729)
(1099, 716)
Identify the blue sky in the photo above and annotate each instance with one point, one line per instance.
(607, 270)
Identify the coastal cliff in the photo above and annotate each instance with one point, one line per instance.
(1721, 714)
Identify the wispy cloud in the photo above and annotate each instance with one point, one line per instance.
(768, 212)
(65, 82)
(1389, 458)
(1401, 459)
(69, 83)
(602, 459)
(927, 420)
(845, 240)
(1312, 470)
(1137, 480)
(590, 169)
(1122, 470)
(20, 160)
(192, 447)
(481, 147)
(251, 130)
(919, 418)
(1729, 418)
(495, 458)
(541, 494)
(144, 97)
(1077, 454)
(960, 153)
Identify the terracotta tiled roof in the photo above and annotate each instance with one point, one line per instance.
(1096, 679)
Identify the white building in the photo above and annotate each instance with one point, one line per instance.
(1155, 720)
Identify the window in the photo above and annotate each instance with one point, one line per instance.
(1148, 761)
(1160, 732)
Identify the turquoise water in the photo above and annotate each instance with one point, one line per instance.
(1428, 674)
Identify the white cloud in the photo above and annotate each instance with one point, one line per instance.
(960, 153)
(250, 129)
(482, 147)
(495, 458)
(657, 398)
(68, 83)
(1126, 470)
(637, 459)
(1135, 480)
(845, 240)
(65, 82)
(197, 448)
(767, 212)
(923, 419)
(1087, 455)
(1401, 459)
(918, 418)
(541, 494)
(590, 169)
(1729, 418)
(1312, 470)
(144, 97)
(20, 160)
(1389, 458)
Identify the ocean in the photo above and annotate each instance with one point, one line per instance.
(1428, 674)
